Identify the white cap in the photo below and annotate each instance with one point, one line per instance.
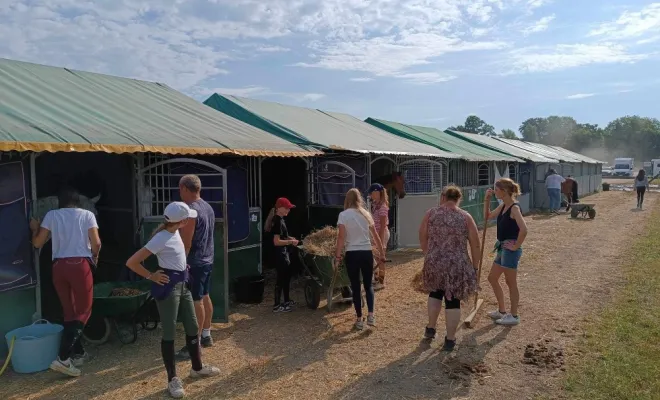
(178, 211)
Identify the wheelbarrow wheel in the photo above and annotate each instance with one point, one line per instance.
(574, 213)
(312, 294)
(346, 292)
(592, 213)
(126, 332)
(97, 331)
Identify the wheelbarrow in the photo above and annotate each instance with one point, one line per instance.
(322, 277)
(583, 210)
(122, 313)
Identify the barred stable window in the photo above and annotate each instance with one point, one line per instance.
(512, 172)
(484, 175)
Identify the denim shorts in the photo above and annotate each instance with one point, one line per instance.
(507, 258)
(200, 280)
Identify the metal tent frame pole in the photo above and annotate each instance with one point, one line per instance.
(33, 194)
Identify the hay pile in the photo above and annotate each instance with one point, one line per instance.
(323, 242)
(417, 282)
(125, 292)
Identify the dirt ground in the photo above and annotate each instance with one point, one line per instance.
(569, 270)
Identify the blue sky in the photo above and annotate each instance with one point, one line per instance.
(417, 61)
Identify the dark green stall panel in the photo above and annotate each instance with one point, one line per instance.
(219, 285)
(473, 202)
(16, 310)
(245, 256)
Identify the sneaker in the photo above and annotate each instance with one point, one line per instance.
(175, 388)
(207, 341)
(284, 307)
(495, 315)
(449, 345)
(359, 324)
(183, 354)
(429, 333)
(371, 320)
(79, 359)
(508, 319)
(65, 367)
(379, 286)
(205, 372)
(290, 303)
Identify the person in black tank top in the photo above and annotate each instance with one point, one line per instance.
(511, 233)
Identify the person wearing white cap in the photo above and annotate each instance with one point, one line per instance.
(172, 294)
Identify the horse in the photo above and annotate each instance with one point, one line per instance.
(393, 181)
(41, 206)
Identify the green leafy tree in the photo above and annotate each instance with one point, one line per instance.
(474, 124)
(509, 134)
(633, 136)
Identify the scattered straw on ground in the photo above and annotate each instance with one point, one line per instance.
(568, 270)
(125, 292)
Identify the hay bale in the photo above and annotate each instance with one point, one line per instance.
(323, 242)
(417, 282)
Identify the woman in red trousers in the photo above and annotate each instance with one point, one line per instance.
(76, 246)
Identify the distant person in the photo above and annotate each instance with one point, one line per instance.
(197, 236)
(76, 247)
(553, 185)
(276, 224)
(641, 185)
(172, 294)
(356, 232)
(511, 233)
(380, 208)
(449, 272)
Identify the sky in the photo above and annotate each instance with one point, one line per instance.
(425, 62)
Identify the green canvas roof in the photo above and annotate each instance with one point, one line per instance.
(56, 109)
(441, 140)
(495, 144)
(320, 129)
(558, 153)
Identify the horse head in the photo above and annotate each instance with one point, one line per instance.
(394, 181)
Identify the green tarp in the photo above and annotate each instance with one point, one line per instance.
(320, 129)
(441, 140)
(56, 109)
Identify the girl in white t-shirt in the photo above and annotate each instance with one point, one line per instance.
(356, 231)
(173, 297)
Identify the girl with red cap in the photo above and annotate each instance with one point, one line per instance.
(281, 240)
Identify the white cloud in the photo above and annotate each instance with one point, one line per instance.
(564, 56)
(362, 79)
(579, 96)
(538, 3)
(631, 24)
(539, 26)
(272, 49)
(424, 78)
(393, 56)
(261, 91)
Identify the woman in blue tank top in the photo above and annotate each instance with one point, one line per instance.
(511, 233)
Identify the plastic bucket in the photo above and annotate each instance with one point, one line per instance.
(250, 289)
(36, 346)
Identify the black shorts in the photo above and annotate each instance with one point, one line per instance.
(200, 280)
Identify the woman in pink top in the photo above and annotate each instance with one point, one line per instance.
(380, 208)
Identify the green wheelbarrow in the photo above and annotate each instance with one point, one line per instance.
(122, 313)
(321, 277)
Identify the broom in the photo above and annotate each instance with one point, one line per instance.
(477, 301)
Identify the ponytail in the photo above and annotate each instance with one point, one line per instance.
(268, 225)
(161, 227)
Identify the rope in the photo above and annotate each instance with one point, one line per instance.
(11, 349)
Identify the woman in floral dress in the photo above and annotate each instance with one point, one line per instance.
(448, 272)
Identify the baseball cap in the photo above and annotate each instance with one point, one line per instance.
(178, 211)
(376, 187)
(284, 202)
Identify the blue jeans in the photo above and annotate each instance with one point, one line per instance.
(555, 199)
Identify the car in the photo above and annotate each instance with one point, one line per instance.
(607, 171)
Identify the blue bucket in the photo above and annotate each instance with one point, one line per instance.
(36, 346)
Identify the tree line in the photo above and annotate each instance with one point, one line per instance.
(629, 136)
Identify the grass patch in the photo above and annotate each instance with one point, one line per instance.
(622, 350)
